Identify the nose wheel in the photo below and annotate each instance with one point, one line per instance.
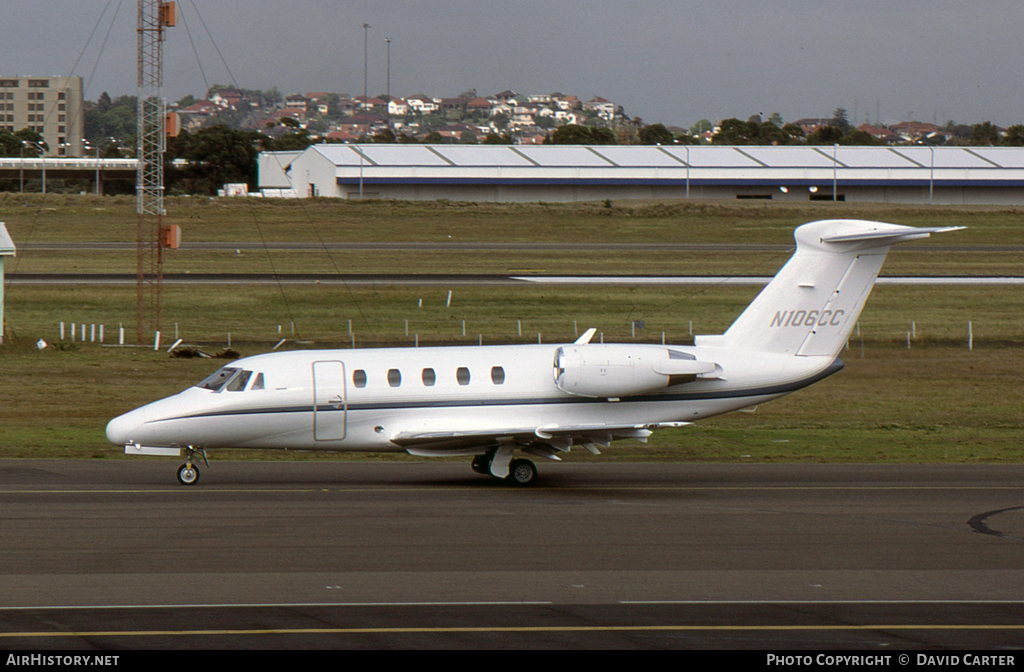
(188, 473)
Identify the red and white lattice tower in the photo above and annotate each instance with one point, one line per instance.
(154, 16)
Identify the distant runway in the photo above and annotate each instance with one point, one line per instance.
(113, 553)
(450, 280)
(426, 246)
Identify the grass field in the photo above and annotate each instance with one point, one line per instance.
(936, 401)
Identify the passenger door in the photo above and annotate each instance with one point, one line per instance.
(330, 405)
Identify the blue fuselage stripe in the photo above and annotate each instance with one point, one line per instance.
(350, 406)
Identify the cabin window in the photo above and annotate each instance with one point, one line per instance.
(429, 377)
(217, 381)
(497, 375)
(258, 383)
(394, 377)
(239, 382)
(359, 378)
(462, 375)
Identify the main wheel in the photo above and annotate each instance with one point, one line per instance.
(522, 472)
(188, 474)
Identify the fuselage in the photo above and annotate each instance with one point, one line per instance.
(363, 399)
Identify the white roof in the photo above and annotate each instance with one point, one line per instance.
(6, 244)
(481, 155)
(670, 156)
(710, 156)
(760, 166)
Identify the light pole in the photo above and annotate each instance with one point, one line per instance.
(88, 146)
(687, 171)
(931, 176)
(366, 32)
(42, 153)
(835, 174)
(388, 84)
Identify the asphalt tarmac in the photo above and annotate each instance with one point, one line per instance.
(115, 554)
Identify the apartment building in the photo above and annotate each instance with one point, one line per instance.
(51, 106)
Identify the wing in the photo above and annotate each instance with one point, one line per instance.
(545, 441)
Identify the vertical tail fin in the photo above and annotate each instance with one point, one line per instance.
(812, 304)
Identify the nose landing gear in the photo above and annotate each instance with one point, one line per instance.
(188, 473)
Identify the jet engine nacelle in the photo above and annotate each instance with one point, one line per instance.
(622, 370)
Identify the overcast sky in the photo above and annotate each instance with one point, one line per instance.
(669, 61)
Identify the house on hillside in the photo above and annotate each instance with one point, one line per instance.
(810, 124)
(880, 133)
(421, 104)
(228, 98)
(480, 105)
(604, 108)
(398, 107)
(297, 102)
(913, 131)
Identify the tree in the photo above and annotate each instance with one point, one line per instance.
(984, 134)
(110, 119)
(468, 138)
(701, 127)
(733, 131)
(1014, 136)
(214, 156)
(11, 144)
(571, 134)
(499, 120)
(839, 120)
(104, 103)
(602, 136)
(825, 135)
(793, 133)
(271, 96)
(656, 134)
(496, 139)
(858, 137)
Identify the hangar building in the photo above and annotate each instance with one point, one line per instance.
(559, 173)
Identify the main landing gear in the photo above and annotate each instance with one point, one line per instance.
(188, 473)
(520, 472)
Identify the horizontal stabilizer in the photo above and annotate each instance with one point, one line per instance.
(882, 233)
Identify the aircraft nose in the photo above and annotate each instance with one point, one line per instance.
(119, 430)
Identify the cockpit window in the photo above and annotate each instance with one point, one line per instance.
(218, 380)
(239, 382)
(258, 384)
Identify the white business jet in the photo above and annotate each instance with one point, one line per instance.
(492, 402)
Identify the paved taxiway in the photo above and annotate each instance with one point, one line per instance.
(304, 554)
